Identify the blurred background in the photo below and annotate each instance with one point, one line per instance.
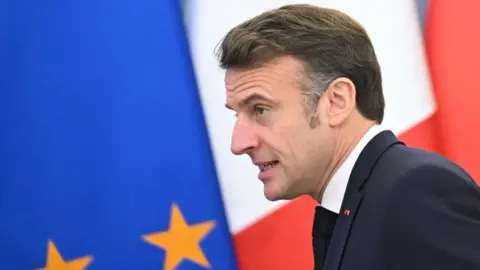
(115, 143)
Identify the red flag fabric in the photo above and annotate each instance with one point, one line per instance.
(452, 38)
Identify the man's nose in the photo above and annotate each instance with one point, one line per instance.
(243, 139)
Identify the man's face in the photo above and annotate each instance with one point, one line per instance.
(273, 128)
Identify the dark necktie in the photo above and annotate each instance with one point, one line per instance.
(323, 225)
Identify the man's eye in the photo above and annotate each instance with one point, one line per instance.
(260, 111)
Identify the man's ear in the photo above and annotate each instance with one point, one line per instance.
(340, 97)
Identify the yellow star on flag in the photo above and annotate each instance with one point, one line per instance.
(56, 262)
(181, 241)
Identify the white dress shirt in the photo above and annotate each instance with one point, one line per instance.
(335, 190)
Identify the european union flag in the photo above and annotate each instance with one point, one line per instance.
(104, 155)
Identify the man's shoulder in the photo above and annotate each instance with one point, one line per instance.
(404, 173)
(410, 174)
(414, 166)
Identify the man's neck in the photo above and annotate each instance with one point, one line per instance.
(348, 138)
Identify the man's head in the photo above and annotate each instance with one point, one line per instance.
(300, 78)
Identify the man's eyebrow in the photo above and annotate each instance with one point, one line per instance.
(249, 99)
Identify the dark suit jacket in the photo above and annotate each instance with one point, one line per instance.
(406, 209)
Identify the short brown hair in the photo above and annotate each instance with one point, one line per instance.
(329, 44)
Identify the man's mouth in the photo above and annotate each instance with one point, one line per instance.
(267, 166)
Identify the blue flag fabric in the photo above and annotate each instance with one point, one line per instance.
(104, 156)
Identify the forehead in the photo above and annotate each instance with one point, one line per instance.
(285, 71)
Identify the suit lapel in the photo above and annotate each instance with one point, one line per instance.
(353, 195)
(342, 231)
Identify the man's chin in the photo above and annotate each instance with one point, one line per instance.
(273, 198)
(275, 194)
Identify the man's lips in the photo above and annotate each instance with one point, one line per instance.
(266, 165)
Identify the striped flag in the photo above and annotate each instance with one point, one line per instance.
(277, 235)
(452, 37)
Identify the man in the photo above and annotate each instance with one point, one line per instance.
(306, 87)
